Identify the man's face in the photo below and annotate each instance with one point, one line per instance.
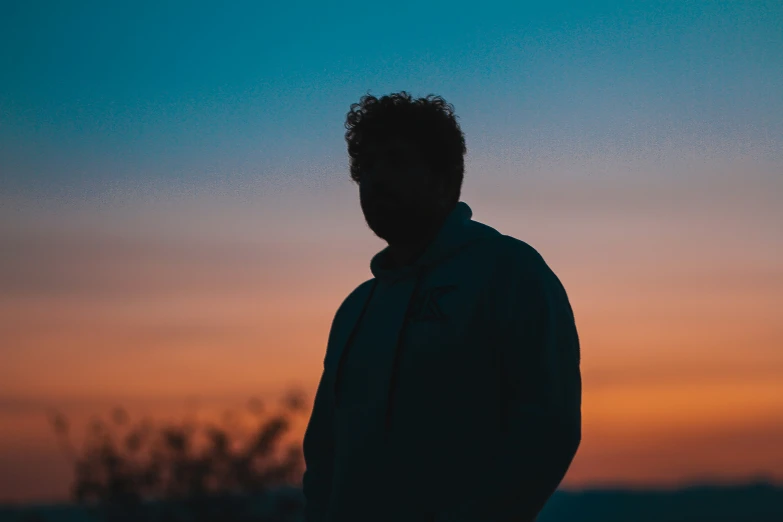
(397, 192)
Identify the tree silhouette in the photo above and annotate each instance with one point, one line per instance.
(188, 471)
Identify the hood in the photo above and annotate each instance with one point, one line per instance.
(457, 232)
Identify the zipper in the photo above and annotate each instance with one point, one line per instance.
(398, 350)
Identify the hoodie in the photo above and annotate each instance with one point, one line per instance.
(451, 388)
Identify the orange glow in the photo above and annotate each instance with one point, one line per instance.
(679, 322)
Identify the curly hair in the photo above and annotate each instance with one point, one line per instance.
(429, 123)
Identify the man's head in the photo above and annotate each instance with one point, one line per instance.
(407, 156)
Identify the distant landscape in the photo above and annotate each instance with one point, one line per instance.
(206, 471)
(759, 502)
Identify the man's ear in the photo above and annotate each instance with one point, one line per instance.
(445, 194)
(442, 194)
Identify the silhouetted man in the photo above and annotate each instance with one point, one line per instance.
(451, 388)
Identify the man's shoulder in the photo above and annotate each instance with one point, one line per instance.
(357, 297)
(513, 253)
(350, 306)
(362, 290)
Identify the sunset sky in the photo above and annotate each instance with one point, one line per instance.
(178, 225)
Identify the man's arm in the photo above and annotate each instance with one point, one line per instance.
(540, 358)
(319, 444)
(319, 456)
(538, 353)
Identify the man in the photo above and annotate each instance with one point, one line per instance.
(451, 388)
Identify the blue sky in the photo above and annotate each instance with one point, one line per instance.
(99, 93)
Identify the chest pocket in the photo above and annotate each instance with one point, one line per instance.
(441, 357)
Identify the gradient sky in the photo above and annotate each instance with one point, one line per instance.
(177, 222)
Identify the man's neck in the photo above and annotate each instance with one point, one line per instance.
(403, 255)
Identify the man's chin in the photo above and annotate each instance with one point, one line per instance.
(389, 237)
(390, 234)
(397, 236)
